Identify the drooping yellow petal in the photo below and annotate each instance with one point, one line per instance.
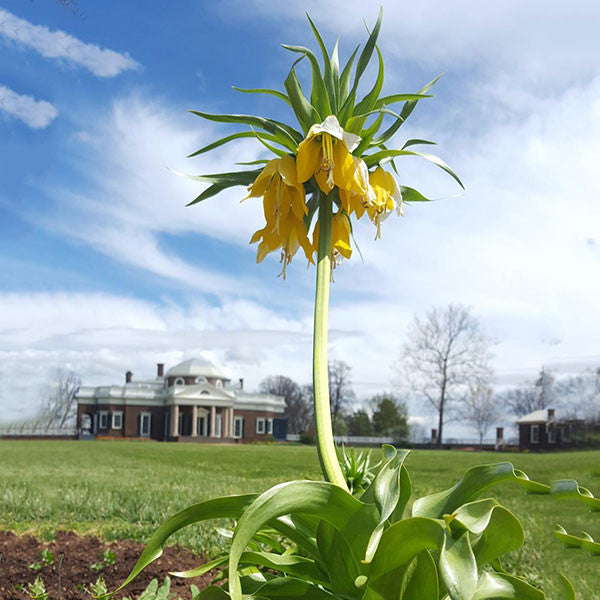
(307, 159)
(340, 234)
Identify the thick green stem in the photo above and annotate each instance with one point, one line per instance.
(325, 444)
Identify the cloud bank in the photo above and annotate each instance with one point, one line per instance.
(36, 114)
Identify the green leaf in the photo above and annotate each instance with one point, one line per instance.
(230, 138)
(368, 102)
(209, 192)
(163, 590)
(335, 73)
(502, 586)
(411, 195)
(286, 135)
(202, 569)
(406, 111)
(458, 568)
(275, 93)
(474, 482)
(498, 530)
(228, 507)
(401, 542)
(421, 581)
(338, 559)
(569, 488)
(387, 100)
(368, 134)
(373, 159)
(416, 142)
(568, 589)
(386, 493)
(290, 587)
(212, 592)
(585, 541)
(224, 179)
(367, 52)
(305, 112)
(319, 499)
(330, 78)
(345, 77)
(319, 97)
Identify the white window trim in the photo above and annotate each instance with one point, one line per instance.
(219, 383)
(269, 426)
(531, 436)
(117, 414)
(142, 415)
(201, 379)
(103, 419)
(260, 425)
(237, 420)
(179, 381)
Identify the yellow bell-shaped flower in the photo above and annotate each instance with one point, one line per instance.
(340, 237)
(326, 154)
(386, 194)
(284, 205)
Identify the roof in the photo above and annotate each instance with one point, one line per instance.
(537, 416)
(197, 367)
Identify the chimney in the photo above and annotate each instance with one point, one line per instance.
(128, 376)
(550, 414)
(241, 383)
(160, 369)
(499, 433)
(434, 435)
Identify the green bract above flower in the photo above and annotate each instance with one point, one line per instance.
(338, 150)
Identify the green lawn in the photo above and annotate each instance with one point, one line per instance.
(125, 489)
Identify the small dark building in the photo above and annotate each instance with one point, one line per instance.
(544, 430)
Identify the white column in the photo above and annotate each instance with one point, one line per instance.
(225, 422)
(213, 420)
(194, 421)
(205, 425)
(231, 422)
(175, 420)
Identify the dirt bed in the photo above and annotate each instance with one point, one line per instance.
(19, 553)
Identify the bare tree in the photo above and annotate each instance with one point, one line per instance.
(340, 387)
(298, 406)
(530, 395)
(446, 351)
(59, 408)
(580, 394)
(480, 409)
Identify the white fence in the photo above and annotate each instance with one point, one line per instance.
(350, 439)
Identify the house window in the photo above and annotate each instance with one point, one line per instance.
(117, 420)
(205, 392)
(180, 424)
(238, 427)
(270, 426)
(218, 383)
(179, 381)
(200, 426)
(535, 434)
(201, 379)
(552, 435)
(145, 424)
(218, 421)
(103, 419)
(566, 433)
(260, 425)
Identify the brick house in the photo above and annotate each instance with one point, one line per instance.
(194, 401)
(544, 430)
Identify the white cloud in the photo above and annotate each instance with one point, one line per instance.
(58, 44)
(550, 42)
(36, 114)
(101, 336)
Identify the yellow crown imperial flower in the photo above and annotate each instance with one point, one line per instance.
(284, 205)
(387, 194)
(326, 154)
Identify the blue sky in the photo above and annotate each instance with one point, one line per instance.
(103, 269)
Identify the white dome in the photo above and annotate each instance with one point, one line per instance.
(197, 367)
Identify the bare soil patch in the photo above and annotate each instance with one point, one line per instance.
(79, 553)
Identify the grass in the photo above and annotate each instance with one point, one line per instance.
(126, 489)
